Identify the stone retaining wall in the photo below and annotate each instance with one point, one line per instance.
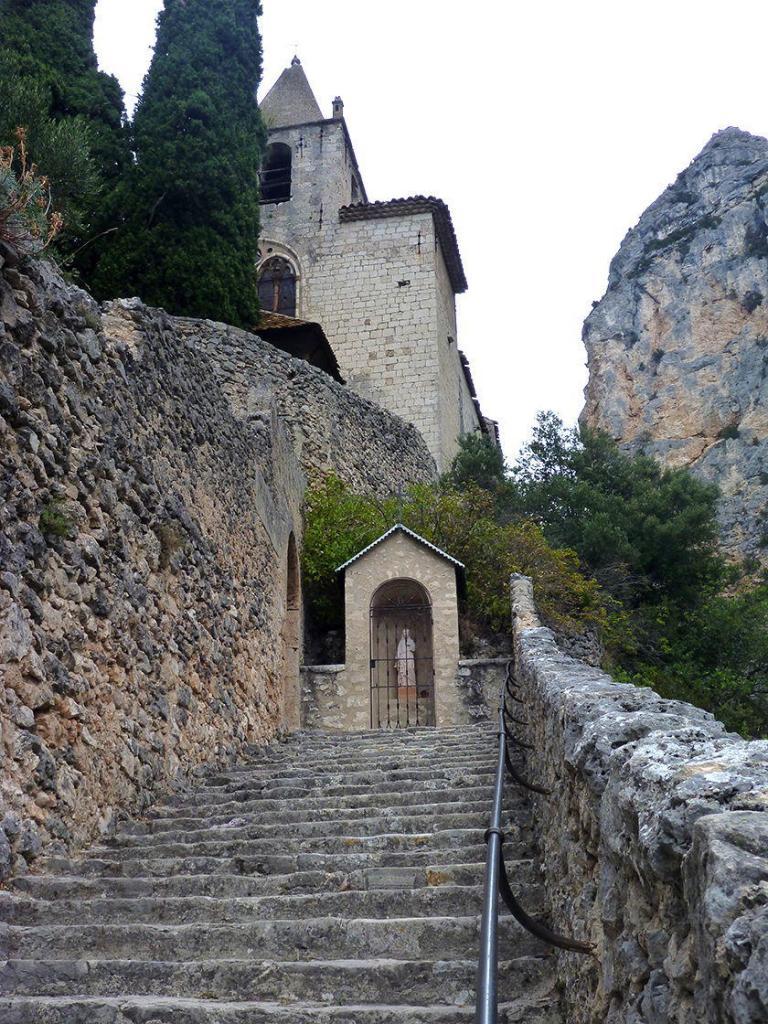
(332, 429)
(654, 842)
(148, 493)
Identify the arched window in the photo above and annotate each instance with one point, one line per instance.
(277, 287)
(276, 174)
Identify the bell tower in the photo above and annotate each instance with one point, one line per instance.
(380, 278)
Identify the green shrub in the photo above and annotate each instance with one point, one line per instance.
(716, 656)
(54, 520)
(27, 223)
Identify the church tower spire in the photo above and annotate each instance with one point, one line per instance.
(290, 100)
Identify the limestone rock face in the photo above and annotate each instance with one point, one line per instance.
(678, 346)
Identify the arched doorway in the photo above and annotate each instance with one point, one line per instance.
(291, 640)
(402, 666)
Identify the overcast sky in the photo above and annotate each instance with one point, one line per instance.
(547, 127)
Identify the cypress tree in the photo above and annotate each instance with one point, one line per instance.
(189, 242)
(51, 85)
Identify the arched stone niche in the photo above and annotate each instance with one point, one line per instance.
(402, 635)
(290, 640)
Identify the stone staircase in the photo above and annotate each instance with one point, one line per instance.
(329, 879)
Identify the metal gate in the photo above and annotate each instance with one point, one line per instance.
(402, 665)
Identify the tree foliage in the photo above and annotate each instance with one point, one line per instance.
(715, 656)
(72, 112)
(189, 241)
(685, 624)
(59, 148)
(339, 523)
(648, 534)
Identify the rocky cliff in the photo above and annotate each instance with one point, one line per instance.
(678, 346)
(145, 520)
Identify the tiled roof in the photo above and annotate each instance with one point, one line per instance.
(475, 400)
(399, 528)
(302, 339)
(278, 321)
(417, 204)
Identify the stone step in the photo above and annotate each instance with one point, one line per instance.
(397, 797)
(429, 901)
(262, 863)
(361, 839)
(345, 981)
(156, 1010)
(372, 739)
(411, 733)
(297, 831)
(383, 740)
(461, 754)
(472, 746)
(407, 938)
(363, 756)
(325, 879)
(60, 887)
(293, 813)
(309, 786)
(330, 766)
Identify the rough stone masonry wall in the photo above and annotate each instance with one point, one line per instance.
(331, 428)
(144, 527)
(654, 842)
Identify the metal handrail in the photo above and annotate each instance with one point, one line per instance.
(496, 878)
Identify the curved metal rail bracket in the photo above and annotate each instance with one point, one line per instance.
(541, 931)
(515, 775)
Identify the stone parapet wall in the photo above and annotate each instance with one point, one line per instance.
(654, 842)
(326, 701)
(330, 701)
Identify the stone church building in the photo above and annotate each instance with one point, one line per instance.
(381, 278)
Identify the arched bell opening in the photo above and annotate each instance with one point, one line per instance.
(291, 639)
(275, 176)
(402, 658)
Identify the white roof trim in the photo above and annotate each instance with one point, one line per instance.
(399, 528)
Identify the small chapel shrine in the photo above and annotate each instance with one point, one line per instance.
(402, 633)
